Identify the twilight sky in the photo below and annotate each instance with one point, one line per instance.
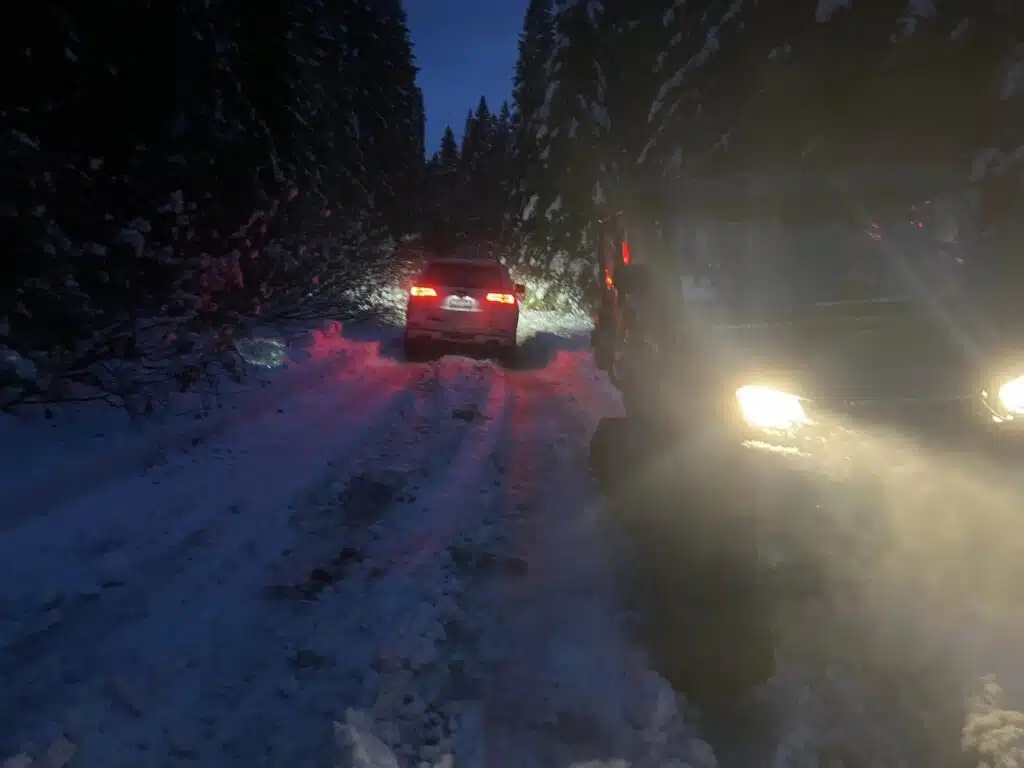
(465, 49)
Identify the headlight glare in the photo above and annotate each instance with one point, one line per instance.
(1011, 396)
(767, 408)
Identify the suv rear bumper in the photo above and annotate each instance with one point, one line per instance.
(504, 337)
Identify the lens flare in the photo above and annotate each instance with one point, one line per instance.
(768, 408)
(1011, 396)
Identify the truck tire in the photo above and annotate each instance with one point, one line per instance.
(599, 349)
(703, 594)
(613, 457)
(712, 654)
(707, 624)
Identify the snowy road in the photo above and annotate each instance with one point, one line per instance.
(377, 563)
(403, 553)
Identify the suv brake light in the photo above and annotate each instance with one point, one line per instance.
(501, 298)
(422, 291)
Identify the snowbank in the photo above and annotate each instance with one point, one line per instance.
(52, 453)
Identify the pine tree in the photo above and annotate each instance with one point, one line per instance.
(480, 167)
(471, 184)
(504, 168)
(657, 90)
(476, 141)
(535, 47)
(634, 39)
(181, 171)
(528, 97)
(449, 153)
(572, 133)
(389, 105)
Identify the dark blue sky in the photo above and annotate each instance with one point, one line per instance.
(465, 49)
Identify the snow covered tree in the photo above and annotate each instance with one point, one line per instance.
(861, 113)
(813, 85)
(501, 170)
(470, 184)
(633, 43)
(864, 109)
(560, 147)
(530, 86)
(388, 105)
(167, 186)
(443, 194)
(573, 131)
(477, 164)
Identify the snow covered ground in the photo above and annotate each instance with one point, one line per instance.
(373, 563)
(365, 550)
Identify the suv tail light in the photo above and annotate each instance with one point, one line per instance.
(501, 298)
(421, 291)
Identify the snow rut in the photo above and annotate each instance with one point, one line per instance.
(424, 578)
(524, 660)
(246, 651)
(142, 579)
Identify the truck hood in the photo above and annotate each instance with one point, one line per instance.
(863, 352)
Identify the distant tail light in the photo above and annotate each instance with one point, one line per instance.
(501, 298)
(422, 292)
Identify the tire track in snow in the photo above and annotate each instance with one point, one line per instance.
(565, 684)
(97, 525)
(227, 706)
(411, 705)
(396, 565)
(151, 606)
(526, 666)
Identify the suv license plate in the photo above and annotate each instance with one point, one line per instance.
(460, 303)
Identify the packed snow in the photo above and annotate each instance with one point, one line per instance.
(351, 555)
(355, 560)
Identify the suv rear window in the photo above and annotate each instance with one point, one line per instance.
(464, 275)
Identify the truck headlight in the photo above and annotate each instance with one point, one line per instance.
(1011, 396)
(768, 408)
